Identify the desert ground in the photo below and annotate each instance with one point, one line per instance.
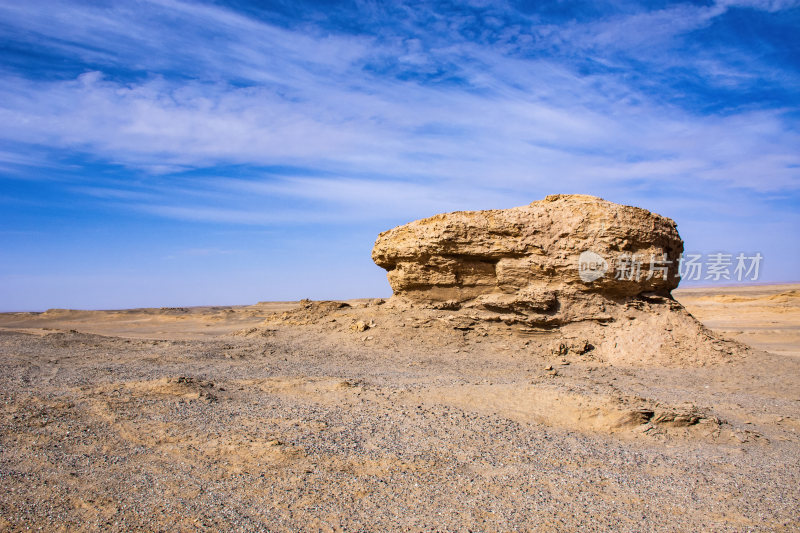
(355, 416)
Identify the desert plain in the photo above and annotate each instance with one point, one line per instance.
(354, 416)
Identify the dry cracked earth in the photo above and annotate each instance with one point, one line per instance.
(353, 416)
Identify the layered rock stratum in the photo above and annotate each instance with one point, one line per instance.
(563, 259)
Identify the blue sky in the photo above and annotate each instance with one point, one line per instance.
(168, 152)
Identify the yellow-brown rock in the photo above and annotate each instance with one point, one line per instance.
(524, 263)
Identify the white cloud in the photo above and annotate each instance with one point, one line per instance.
(517, 126)
(160, 123)
(765, 5)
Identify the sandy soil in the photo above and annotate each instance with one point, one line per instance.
(331, 416)
(764, 316)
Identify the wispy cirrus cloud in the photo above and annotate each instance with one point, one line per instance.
(157, 125)
(308, 97)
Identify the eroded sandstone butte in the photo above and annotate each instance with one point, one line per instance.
(522, 264)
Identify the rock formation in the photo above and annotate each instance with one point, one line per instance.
(571, 278)
(563, 259)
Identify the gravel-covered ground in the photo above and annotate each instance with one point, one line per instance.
(295, 425)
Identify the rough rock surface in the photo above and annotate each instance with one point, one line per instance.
(524, 264)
